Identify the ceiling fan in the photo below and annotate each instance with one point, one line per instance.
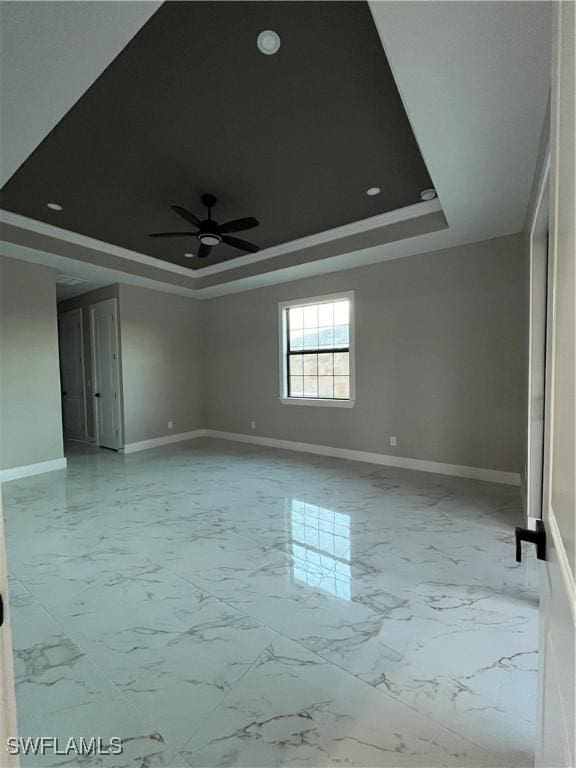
(210, 233)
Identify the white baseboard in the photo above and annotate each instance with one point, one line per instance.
(156, 442)
(456, 470)
(16, 473)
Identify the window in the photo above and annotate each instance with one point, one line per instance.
(317, 351)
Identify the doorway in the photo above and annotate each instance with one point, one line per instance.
(71, 349)
(105, 374)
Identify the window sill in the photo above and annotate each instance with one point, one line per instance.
(317, 401)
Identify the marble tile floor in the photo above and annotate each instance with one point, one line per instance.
(219, 604)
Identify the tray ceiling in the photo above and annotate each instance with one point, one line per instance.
(191, 106)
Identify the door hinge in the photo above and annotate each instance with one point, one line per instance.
(537, 537)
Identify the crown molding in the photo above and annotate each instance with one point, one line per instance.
(356, 227)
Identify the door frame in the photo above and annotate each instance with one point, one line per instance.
(77, 311)
(8, 722)
(538, 250)
(119, 404)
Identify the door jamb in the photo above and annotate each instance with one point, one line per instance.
(538, 231)
(8, 719)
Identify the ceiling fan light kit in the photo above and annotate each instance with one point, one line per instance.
(209, 233)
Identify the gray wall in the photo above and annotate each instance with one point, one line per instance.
(161, 337)
(30, 406)
(439, 358)
(83, 302)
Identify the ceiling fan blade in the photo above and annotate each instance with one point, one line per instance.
(243, 245)
(204, 251)
(172, 234)
(190, 217)
(239, 225)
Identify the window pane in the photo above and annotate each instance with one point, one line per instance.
(326, 337)
(315, 330)
(311, 339)
(310, 365)
(326, 314)
(296, 365)
(342, 387)
(296, 318)
(341, 363)
(296, 386)
(342, 312)
(296, 339)
(326, 364)
(340, 335)
(310, 386)
(325, 386)
(311, 317)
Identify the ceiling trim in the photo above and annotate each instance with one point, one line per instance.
(336, 233)
(41, 228)
(91, 273)
(357, 227)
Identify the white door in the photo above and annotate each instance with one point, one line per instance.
(557, 744)
(7, 698)
(106, 374)
(72, 374)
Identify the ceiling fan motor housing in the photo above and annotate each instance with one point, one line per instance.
(209, 236)
(210, 233)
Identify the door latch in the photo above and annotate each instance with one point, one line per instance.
(537, 537)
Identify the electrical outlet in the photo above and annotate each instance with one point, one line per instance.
(170, 425)
(252, 425)
(393, 440)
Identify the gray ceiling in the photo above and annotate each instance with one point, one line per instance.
(191, 106)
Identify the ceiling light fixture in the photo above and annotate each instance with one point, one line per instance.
(54, 206)
(373, 191)
(268, 42)
(428, 194)
(189, 255)
(209, 238)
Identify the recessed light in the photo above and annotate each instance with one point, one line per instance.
(268, 42)
(428, 194)
(189, 255)
(373, 191)
(54, 206)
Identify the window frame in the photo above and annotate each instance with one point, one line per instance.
(283, 306)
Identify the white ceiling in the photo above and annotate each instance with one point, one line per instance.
(50, 54)
(474, 77)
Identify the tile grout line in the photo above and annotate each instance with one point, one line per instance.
(328, 661)
(88, 656)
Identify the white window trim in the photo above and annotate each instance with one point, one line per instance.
(283, 346)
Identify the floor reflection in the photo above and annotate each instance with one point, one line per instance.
(321, 547)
